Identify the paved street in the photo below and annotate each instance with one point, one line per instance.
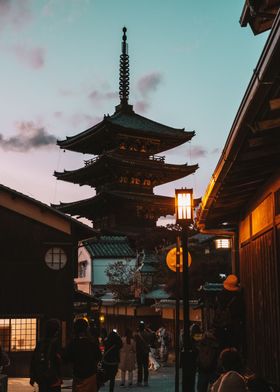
(160, 381)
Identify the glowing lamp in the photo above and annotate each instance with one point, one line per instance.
(102, 318)
(222, 243)
(184, 205)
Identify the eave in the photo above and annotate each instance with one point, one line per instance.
(252, 150)
(111, 165)
(259, 15)
(105, 134)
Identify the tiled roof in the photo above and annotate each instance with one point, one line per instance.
(109, 246)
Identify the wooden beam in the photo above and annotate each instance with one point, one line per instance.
(267, 124)
(264, 140)
(271, 151)
(274, 104)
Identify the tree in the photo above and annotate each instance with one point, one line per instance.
(121, 278)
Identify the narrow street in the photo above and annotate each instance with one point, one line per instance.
(160, 381)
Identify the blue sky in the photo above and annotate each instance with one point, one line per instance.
(190, 63)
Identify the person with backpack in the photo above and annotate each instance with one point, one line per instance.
(45, 366)
(111, 357)
(207, 358)
(142, 339)
(84, 354)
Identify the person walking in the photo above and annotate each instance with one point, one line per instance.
(45, 366)
(111, 357)
(142, 339)
(84, 354)
(127, 358)
(164, 341)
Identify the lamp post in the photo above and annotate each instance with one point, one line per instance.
(184, 217)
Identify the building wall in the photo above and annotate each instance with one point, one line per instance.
(260, 276)
(30, 292)
(84, 270)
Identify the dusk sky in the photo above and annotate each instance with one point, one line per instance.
(190, 63)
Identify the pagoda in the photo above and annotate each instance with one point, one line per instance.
(125, 167)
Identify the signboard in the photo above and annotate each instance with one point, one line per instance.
(171, 259)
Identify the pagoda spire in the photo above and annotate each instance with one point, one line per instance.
(124, 71)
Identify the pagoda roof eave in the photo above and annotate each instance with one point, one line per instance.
(80, 207)
(128, 123)
(90, 174)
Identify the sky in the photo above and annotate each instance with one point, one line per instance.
(190, 63)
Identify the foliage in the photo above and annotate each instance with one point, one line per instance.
(121, 277)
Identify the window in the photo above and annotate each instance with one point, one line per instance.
(223, 243)
(18, 334)
(82, 268)
(55, 258)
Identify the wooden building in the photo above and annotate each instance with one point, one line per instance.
(126, 166)
(243, 197)
(38, 263)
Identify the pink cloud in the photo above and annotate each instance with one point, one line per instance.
(148, 83)
(141, 106)
(198, 151)
(15, 13)
(33, 57)
(98, 96)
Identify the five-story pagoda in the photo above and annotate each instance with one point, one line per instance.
(125, 168)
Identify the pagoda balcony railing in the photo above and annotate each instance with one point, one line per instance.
(90, 161)
(157, 158)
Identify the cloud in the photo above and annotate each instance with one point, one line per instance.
(149, 83)
(97, 96)
(141, 106)
(15, 13)
(198, 151)
(29, 136)
(33, 57)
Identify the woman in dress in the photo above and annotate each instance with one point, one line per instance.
(127, 358)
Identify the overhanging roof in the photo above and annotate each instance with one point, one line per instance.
(109, 247)
(109, 165)
(127, 122)
(252, 151)
(36, 210)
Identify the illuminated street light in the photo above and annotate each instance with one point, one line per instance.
(184, 217)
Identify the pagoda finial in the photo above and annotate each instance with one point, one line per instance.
(124, 71)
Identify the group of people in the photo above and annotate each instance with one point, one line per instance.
(95, 360)
(216, 355)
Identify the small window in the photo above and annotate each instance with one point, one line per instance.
(82, 268)
(55, 258)
(18, 334)
(223, 243)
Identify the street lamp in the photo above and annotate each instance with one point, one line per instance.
(184, 217)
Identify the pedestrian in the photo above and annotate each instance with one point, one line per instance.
(154, 346)
(231, 379)
(45, 366)
(111, 357)
(164, 341)
(142, 339)
(127, 358)
(195, 337)
(84, 354)
(207, 358)
(229, 314)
